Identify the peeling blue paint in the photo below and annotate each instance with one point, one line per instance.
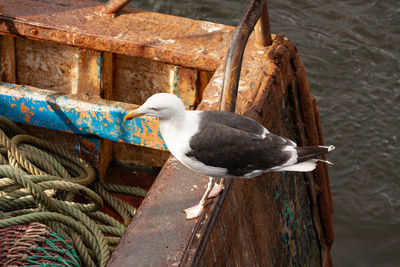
(149, 130)
(295, 226)
(288, 213)
(286, 237)
(57, 111)
(99, 66)
(139, 124)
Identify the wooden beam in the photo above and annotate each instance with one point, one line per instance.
(95, 77)
(8, 73)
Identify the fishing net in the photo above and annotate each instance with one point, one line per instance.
(42, 182)
(35, 244)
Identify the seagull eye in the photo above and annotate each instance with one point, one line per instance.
(155, 109)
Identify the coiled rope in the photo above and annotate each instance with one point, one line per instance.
(38, 183)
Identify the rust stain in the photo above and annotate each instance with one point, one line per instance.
(93, 114)
(27, 118)
(84, 115)
(107, 117)
(25, 109)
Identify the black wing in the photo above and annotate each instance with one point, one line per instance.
(233, 120)
(239, 151)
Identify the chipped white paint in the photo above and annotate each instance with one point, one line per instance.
(171, 80)
(215, 95)
(217, 82)
(119, 35)
(211, 27)
(168, 41)
(89, 17)
(74, 72)
(212, 98)
(200, 51)
(242, 86)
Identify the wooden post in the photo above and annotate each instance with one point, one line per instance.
(95, 77)
(8, 73)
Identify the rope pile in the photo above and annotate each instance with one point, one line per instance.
(39, 182)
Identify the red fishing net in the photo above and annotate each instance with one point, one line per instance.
(35, 244)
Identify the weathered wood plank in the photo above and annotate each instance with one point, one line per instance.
(107, 75)
(8, 69)
(47, 66)
(106, 92)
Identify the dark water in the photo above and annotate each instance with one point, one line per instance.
(352, 53)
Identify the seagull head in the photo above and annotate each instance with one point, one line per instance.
(163, 106)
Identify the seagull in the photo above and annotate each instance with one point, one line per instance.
(223, 144)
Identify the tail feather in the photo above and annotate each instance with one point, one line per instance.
(305, 166)
(311, 152)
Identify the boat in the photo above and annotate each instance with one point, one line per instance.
(70, 71)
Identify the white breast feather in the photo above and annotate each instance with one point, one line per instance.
(177, 134)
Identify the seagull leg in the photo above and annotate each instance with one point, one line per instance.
(195, 211)
(218, 188)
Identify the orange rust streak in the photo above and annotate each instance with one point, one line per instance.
(27, 117)
(25, 109)
(148, 138)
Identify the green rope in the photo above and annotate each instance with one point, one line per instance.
(125, 189)
(38, 181)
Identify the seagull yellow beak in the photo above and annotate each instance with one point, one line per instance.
(133, 114)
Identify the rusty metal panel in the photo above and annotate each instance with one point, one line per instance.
(72, 114)
(165, 38)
